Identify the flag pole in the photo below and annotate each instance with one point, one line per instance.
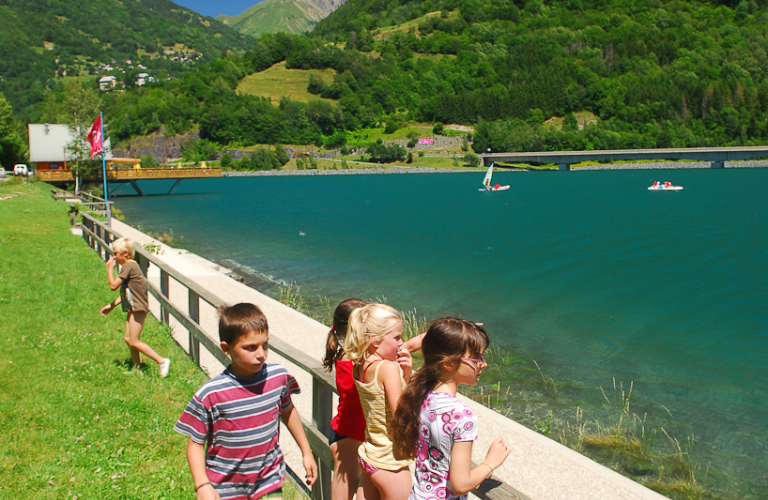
(104, 171)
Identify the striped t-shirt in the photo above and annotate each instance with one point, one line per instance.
(239, 420)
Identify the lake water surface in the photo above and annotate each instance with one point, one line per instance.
(588, 273)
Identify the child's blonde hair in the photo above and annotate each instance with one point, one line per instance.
(123, 245)
(367, 325)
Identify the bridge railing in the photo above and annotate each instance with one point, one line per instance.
(99, 236)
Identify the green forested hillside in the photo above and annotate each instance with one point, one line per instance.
(44, 39)
(656, 74)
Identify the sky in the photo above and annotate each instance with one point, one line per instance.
(213, 9)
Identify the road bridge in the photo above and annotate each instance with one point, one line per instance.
(716, 156)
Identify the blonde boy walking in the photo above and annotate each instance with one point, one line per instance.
(133, 298)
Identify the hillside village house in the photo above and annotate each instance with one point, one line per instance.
(107, 82)
(143, 79)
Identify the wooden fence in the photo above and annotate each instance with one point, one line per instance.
(99, 236)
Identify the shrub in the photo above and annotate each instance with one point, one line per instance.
(385, 154)
(281, 155)
(472, 159)
(316, 84)
(391, 127)
(438, 129)
(149, 161)
(226, 160)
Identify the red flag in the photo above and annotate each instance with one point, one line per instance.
(95, 139)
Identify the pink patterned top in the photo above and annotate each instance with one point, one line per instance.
(444, 420)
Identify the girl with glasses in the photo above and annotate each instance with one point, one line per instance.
(433, 426)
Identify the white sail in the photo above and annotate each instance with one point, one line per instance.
(488, 175)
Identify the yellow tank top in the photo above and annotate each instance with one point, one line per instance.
(377, 447)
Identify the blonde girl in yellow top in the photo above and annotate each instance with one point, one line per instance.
(382, 367)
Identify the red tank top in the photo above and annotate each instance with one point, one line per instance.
(349, 420)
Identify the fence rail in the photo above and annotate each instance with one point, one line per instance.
(99, 236)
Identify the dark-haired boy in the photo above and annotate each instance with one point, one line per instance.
(233, 420)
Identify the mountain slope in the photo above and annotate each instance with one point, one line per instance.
(42, 39)
(280, 16)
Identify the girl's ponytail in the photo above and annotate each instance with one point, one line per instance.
(334, 344)
(405, 423)
(446, 341)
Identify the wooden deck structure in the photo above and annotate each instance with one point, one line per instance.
(119, 176)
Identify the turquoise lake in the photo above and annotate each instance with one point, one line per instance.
(588, 273)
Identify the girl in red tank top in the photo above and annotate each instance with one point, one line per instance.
(348, 426)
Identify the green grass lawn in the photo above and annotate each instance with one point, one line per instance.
(75, 422)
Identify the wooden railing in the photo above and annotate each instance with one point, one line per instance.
(119, 174)
(99, 237)
(161, 173)
(46, 175)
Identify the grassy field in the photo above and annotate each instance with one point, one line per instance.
(75, 422)
(411, 26)
(278, 81)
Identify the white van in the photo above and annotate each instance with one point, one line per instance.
(20, 169)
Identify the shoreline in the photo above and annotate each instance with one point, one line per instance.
(669, 165)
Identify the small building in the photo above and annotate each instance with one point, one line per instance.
(107, 82)
(143, 79)
(48, 144)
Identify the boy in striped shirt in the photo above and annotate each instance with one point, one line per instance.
(232, 420)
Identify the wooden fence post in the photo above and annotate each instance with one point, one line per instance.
(164, 291)
(322, 412)
(194, 313)
(86, 236)
(143, 264)
(102, 252)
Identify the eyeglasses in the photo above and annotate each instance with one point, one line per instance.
(479, 360)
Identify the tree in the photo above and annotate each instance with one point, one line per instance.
(78, 108)
(337, 140)
(281, 155)
(12, 147)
